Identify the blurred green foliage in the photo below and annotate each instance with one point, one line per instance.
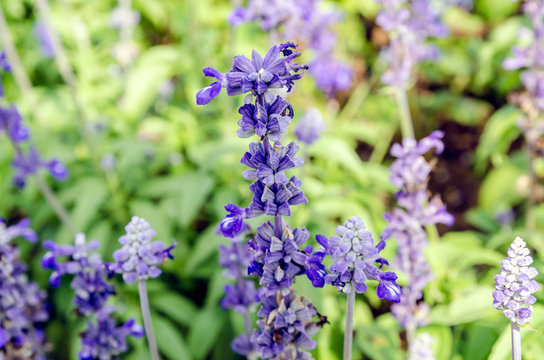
(177, 165)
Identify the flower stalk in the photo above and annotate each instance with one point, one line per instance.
(148, 326)
(516, 341)
(348, 333)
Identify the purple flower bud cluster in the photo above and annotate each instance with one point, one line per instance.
(514, 285)
(354, 257)
(102, 339)
(410, 23)
(310, 127)
(286, 327)
(139, 257)
(276, 255)
(29, 162)
(311, 24)
(529, 58)
(22, 310)
(415, 210)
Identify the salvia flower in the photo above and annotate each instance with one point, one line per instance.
(265, 118)
(11, 123)
(356, 260)
(22, 303)
(310, 127)
(30, 163)
(415, 210)
(275, 71)
(139, 257)
(286, 327)
(514, 285)
(104, 339)
(89, 272)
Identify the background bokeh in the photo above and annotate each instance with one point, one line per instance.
(177, 165)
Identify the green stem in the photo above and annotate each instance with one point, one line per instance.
(516, 341)
(406, 125)
(148, 326)
(348, 333)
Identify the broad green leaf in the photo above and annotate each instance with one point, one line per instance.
(169, 339)
(205, 329)
(176, 306)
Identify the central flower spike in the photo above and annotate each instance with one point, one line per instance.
(275, 71)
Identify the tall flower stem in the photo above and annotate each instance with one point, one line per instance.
(348, 333)
(406, 125)
(146, 314)
(516, 341)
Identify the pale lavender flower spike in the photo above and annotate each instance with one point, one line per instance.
(140, 257)
(421, 348)
(310, 127)
(514, 285)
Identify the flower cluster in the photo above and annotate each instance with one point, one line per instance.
(286, 327)
(29, 162)
(308, 22)
(529, 59)
(102, 339)
(410, 23)
(354, 257)
(139, 257)
(310, 127)
(22, 310)
(277, 257)
(514, 285)
(414, 211)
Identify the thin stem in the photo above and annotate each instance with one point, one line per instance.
(247, 323)
(56, 205)
(19, 72)
(516, 342)
(146, 314)
(348, 333)
(406, 125)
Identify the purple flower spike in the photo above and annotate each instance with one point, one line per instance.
(105, 340)
(44, 37)
(514, 285)
(210, 92)
(354, 257)
(12, 123)
(22, 303)
(30, 163)
(139, 257)
(310, 127)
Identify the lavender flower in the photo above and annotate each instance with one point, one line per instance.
(106, 340)
(514, 284)
(31, 162)
(43, 36)
(22, 310)
(265, 119)
(140, 257)
(414, 211)
(102, 340)
(310, 127)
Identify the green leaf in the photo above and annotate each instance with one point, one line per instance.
(470, 305)
(206, 327)
(176, 306)
(169, 339)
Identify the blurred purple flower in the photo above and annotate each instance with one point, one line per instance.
(31, 162)
(310, 127)
(11, 123)
(139, 257)
(44, 37)
(514, 285)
